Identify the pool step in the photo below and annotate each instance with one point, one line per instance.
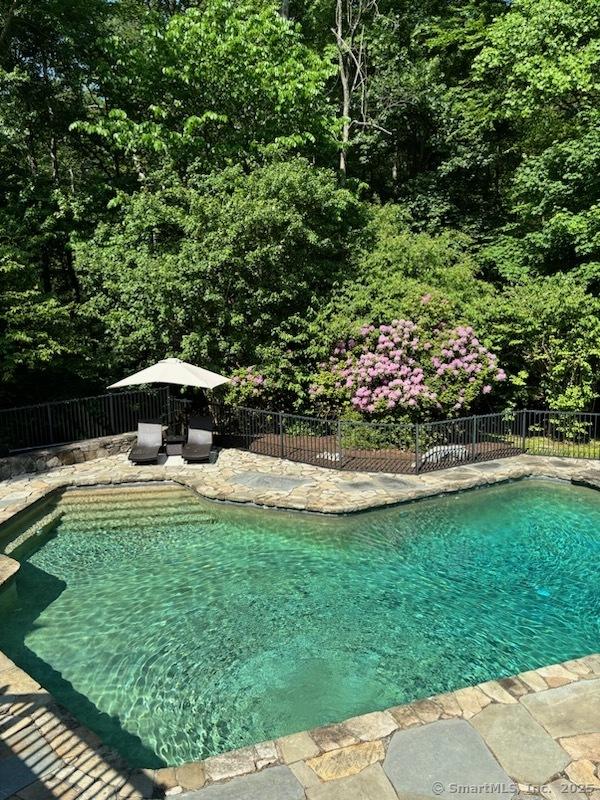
(131, 512)
(136, 524)
(124, 503)
(131, 508)
(104, 493)
(33, 535)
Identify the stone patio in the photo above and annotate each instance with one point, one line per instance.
(537, 733)
(243, 477)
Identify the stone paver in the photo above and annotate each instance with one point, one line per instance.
(471, 700)
(562, 789)
(525, 750)
(435, 759)
(583, 773)
(332, 737)
(248, 477)
(347, 760)
(372, 726)
(189, 776)
(370, 784)
(297, 747)
(229, 765)
(494, 690)
(265, 481)
(568, 710)
(275, 783)
(586, 745)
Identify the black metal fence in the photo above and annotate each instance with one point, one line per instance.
(84, 418)
(338, 444)
(561, 433)
(405, 448)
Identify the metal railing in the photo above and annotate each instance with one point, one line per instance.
(561, 433)
(405, 448)
(338, 444)
(66, 421)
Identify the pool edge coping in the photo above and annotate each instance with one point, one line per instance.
(579, 472)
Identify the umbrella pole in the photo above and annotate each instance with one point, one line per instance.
(169, 408)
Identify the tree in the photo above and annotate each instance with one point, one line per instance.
(349, 32)
(537, 79)
(209, 270)
(49, 183)
(219, 84)
(547, 333)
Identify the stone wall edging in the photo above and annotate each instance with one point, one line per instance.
(47, 458)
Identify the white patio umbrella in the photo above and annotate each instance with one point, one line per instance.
(174, 370)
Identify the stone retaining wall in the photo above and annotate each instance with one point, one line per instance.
(50, 457)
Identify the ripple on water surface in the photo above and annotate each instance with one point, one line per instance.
(178, 629)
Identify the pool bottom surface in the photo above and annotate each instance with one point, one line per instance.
(177, 630)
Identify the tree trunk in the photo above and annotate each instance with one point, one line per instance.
(71, 274)
(285, 9)
(346, 116)
(345, 82)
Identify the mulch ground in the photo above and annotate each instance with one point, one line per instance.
(322, 451)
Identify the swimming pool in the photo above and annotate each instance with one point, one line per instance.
(177, 629)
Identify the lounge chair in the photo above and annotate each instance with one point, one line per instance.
(149, 442)
(199, 439)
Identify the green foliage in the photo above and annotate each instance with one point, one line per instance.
(219, 83)
(547, 334)
(208, 270)
(537, 77)
(166, 187)
(396, 268)
(34, 328)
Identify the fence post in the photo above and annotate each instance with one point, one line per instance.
(169, 405)
(339, 442)
(417, 454)
(281, 435)
(523, 428)
(50, 430)
(111, 413)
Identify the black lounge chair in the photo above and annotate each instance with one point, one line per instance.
(149, 442)
(199, 439)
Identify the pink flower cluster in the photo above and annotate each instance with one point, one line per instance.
(394, 367)
(249, 380)
(383, 372)
(463, 356)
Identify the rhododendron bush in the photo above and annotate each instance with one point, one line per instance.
(399, 370)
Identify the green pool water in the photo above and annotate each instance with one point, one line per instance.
(178, 629)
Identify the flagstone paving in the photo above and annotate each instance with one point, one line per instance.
(436, 758)
(539, 727)
(521, 745)
(278, 783)
(437, 747)
(240, 476)
(567, 710)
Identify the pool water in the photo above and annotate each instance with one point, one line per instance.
(178, 629)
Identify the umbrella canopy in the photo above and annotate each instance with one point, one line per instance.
(173, 370)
